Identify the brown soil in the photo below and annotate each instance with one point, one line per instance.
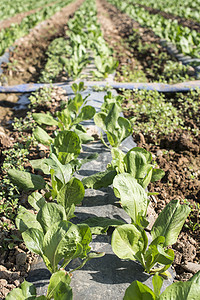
(182, 21)
(30, 49)
(19, 17)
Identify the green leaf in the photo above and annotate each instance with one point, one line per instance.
(146, 180)
(127, 242)
(99, 120)
(26, 219)
(181, 290)
(99, 180)
(170, 222)
(75, 103)
(65, 120)
(60, 241)
(157, 175)
(111, 120)
(99, 225)
(67, 142)
(26, 181)
(84, 137)
(157, 284)
(125, 129)
(62, 172)
(139, 291)
(81, 86)
(157, 254)
(133, 197)
(42, 136)
(36, 200)
(63, 292)
(74, 87)
(87, 113)
(116, 127)
(33, 239)
(50, 213)
(45, 119)
(40, 164)
(28, 290)
(195, 278)
(136, 161)
(86, 236)
(15, 294)
(118, 159)
(56, 278)
(72, 193)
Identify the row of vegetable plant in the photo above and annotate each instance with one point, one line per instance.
(63, 239)
(130, 174)
(141, 58)
(15, 31)
(186, 40)
(84, 39)
(186, 9)
(11, 8)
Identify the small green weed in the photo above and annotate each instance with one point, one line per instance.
(150, 112)
(9, 193)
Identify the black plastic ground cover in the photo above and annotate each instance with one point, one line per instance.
(184, 59)
(108, 277)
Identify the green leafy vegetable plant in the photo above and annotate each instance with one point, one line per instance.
(67, 119)
(136, 162)
(178, 290)
(52, 236)
(164, 232)
(116, 127)
(130, 241)
(59, 288)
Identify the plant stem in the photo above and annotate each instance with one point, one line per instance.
(81, 265)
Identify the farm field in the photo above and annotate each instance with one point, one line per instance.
(72, 47)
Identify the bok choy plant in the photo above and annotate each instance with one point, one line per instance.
(53, 237)
(116, 127)
(130, 241)
(136, 162)
(176, 291)
(58, 288)
(156, 257)
(68, 119)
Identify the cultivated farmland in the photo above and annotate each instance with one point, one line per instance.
(99, 149)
